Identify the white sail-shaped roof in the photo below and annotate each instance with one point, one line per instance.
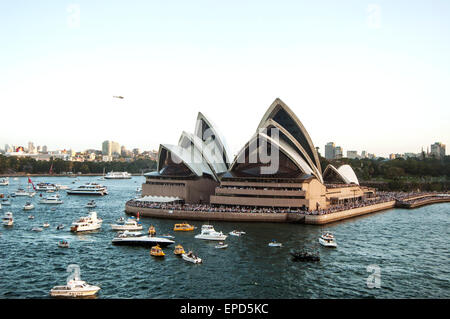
(280, 113)
(345, 173)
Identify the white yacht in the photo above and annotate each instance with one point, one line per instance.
(44, 187)
(130, 224)
(4, 181)
(74, 288)
(208, 233)
(7, 219)
(87, 223)
(54, 199)
(89, 189)
(139, 239)
(191, 257)
(28, 206)
(328, 240)
(236, 233)
(117, 175)
(23, 192)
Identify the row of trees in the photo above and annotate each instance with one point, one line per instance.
(12, 164)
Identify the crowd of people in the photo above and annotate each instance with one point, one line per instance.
(381, 197)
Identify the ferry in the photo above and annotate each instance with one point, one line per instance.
(179, 250)
(156, 251)
(89, 189)
(54, 199)
(4, 181)
(88, 223)
(130, 224)
(208, 233)
(183, 227)
(43, 187)
(191, 257)
(117, 175)
(328, 240)
(28, 206)
(74, 288)
(7, 219)
(139, 239)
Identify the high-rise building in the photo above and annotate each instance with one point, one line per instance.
(363, 154)
(438, 150)
(330, 150)
(338, 152)
(110, 147)
(352, 154)
(31, 148)
(44, 149)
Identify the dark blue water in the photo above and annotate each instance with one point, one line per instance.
(410, 247)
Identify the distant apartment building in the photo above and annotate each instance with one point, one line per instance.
(364, 154)
(329, 150)
(110, 147)
(338, 152)
(352, 154)
(437, 150)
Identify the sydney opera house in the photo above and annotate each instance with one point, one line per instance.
(278, 167)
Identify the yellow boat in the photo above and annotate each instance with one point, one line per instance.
(183, 227)
(179, 250)
(157, 251)
(151, 230)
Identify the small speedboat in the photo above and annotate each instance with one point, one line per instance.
(91, 204)
(273, 243)
(63, 244)
(156, 251)
(183, 227)
(191, 257)
(28, 206)
(6, 202)
(221, 245)
(59, 227)
(179, 250)
(37, 229)
(328, 240)
(8, 220)
(45, 225)
(31, 217)
(236, 233)
(74, 288)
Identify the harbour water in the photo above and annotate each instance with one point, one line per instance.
(409, 247)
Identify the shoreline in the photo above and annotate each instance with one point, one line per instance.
(277, 217)
(58, 175)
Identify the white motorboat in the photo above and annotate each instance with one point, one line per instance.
(221, 245)
(91, 204)
(328, 240)
(208, 233)
(139, 239)
(273, 243)
(89, 189)
(54, 199)
(37, 229)
(59, 227)
(63, 244)
(117, 175)
(23, 192)
(191, 257)
(4, 181)
(88, 223)
(236, 233)
(7, 219)
(130, 224)
(31, 217)
(45, 187)
(28, 206)
(74, 288)
(6, 202)
(46, 225)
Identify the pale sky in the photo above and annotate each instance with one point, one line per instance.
(367, 75)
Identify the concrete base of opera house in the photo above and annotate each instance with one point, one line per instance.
(273, 217)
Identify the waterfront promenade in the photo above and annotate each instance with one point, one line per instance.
(332, 214)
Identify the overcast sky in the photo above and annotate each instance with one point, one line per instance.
(368, 75)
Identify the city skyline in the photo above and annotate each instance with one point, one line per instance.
(373, 77)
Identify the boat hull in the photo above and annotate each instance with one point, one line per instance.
(325, 243)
